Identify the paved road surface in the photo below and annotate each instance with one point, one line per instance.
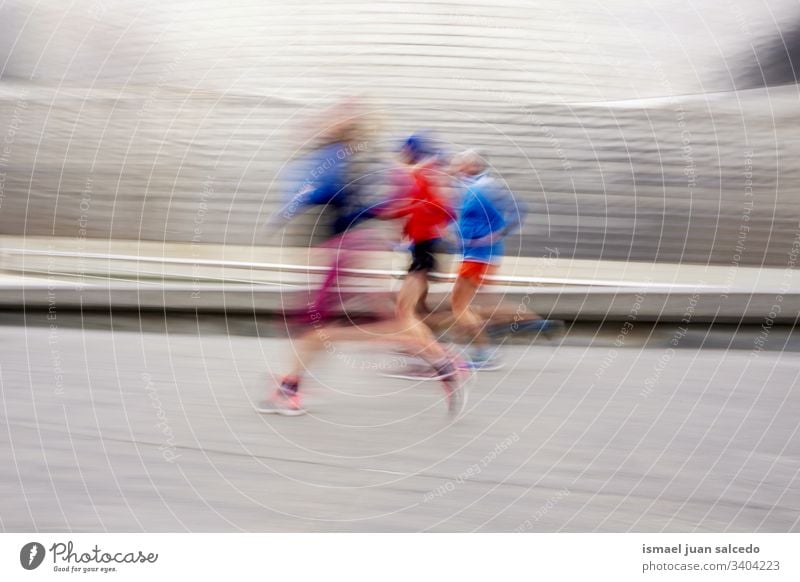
(130, 431)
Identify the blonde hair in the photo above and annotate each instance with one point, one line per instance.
(470, 158)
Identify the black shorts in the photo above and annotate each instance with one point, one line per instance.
(422, 258)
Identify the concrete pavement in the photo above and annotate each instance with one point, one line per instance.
(140, 431)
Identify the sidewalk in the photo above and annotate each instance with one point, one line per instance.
(152, 275)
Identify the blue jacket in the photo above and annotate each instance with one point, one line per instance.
(488, 213)
(323, 179)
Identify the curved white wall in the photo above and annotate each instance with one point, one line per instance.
(616, 120)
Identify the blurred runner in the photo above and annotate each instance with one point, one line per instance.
(488, 214)
(417, 199)
(329, 183)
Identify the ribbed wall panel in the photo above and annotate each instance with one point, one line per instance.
(174, 121)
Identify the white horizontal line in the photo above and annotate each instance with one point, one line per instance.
(507, 279)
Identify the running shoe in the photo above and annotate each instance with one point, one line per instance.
(547, 327)
(405, 353)
(283, 402)
(455, 391)
(487, 363)
(449, 374)
(482, 358)
(421, 371)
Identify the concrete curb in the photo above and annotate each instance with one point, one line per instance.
(570, 303)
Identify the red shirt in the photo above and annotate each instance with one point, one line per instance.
(426, 210)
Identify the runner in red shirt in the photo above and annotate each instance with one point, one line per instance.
(426, 213)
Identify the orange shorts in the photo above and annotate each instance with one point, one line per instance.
(475, 272)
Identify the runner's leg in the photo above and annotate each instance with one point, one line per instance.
(465, 319)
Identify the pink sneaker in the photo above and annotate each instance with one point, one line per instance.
(282, 402)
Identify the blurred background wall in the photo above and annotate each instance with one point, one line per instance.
(644, 130)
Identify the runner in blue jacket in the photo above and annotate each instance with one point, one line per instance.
(488, 213)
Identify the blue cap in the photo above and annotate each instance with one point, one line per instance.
(418, 146)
